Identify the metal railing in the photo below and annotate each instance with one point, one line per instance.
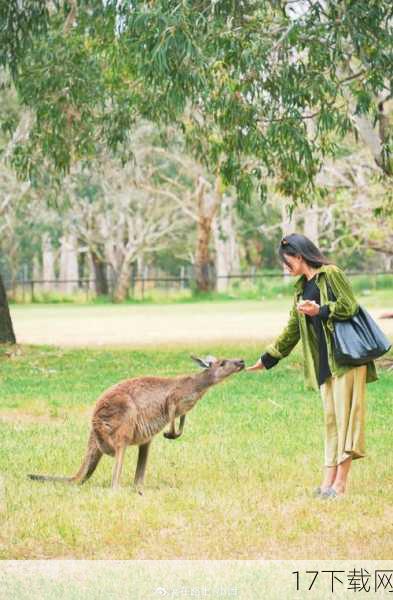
(30, 290)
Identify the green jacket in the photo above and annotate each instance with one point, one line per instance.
(299, 327)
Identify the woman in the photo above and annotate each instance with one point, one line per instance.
(322, 294)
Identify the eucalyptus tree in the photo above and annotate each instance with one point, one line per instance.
(245, 77)
(120, 213)
(242, 79)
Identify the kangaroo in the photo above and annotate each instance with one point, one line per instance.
(133, 411)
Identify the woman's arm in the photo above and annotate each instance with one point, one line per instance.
(345, 304)
(268, 360)
(265, 362)
(288, 339)
(283, 344)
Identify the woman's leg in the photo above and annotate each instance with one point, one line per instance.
(349, 400)
(330, 434)
(340, 481)
(329, 478)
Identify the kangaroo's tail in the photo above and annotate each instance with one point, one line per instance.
(49, 478)
(89, 464)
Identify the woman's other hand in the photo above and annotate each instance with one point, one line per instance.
(257, 367)
(308, 307)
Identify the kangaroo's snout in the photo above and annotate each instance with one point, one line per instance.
(241, 364)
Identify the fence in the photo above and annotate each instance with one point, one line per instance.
(255, 284)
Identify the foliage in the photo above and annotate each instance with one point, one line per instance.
(244, 80)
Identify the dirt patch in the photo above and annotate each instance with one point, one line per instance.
(13, 416)
(18, 417)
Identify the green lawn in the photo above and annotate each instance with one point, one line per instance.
(237, 484)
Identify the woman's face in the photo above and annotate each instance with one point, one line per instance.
(295, 265)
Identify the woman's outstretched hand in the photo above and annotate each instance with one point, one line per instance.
(257, 367)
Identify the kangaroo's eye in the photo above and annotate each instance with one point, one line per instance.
(223, 363)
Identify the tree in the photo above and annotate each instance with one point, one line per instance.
(241, 79)
(352, 219)
(126, 217)
(184, 182)
(8, 223)
(225, 240)
(7, 334)
(245, 77)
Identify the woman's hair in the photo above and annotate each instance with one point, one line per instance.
(297, 244)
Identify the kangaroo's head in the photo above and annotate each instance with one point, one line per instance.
(220, 368)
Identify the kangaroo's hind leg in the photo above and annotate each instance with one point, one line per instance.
(119, 458)
(141, 467)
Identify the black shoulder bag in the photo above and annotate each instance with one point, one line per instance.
(357, 340)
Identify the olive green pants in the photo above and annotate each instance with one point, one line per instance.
(344, 405)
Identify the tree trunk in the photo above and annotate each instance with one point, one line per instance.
(310, 227)
(375, 141)
(202, 256)
(140, 264)
(375, 135)
(388, 261)
(227, 251)
(100, 278)
(123, 282)
(207, 205)
(7, 334)
(69, 273)
(37, 273)
(48, 263)
(288, 225)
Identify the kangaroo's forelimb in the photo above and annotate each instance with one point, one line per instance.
(172, 434)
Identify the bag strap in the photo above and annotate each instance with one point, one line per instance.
(332, 297)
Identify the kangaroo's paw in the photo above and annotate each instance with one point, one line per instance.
(171, 436)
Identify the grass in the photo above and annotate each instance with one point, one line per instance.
(236, 485)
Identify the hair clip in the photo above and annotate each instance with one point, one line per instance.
(284, 242)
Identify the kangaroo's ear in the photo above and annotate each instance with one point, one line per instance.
(200, 361)
(210, 360)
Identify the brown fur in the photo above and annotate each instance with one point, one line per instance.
(133, 411)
